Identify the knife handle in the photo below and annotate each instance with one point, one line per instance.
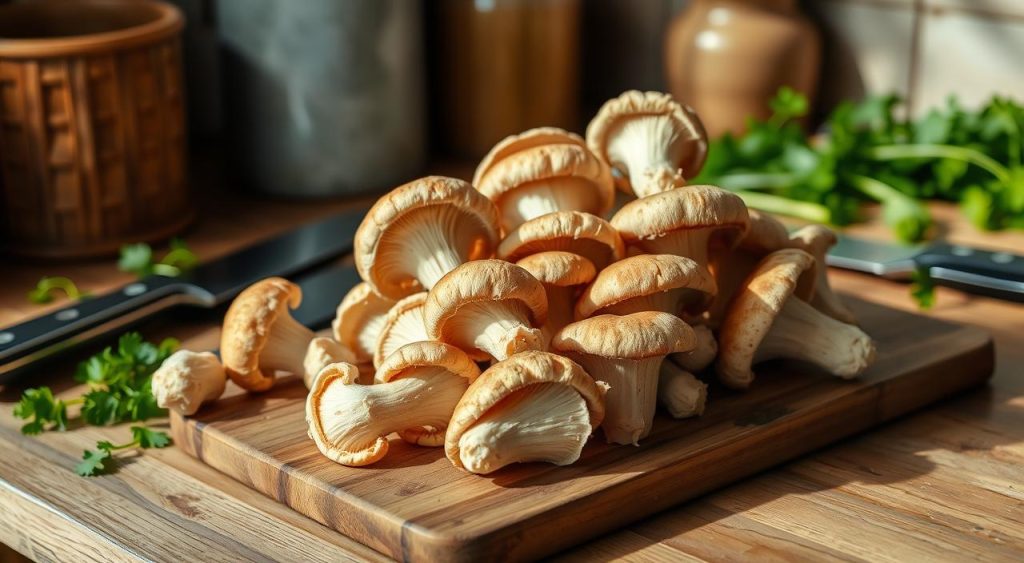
(90, 317)
(998, 274)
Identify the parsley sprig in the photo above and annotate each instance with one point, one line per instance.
(138, 259)
(100, 460)
(119, 391)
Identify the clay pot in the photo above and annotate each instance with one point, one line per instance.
(728, 58)
(92, 142)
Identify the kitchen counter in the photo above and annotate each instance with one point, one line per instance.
(946, 483)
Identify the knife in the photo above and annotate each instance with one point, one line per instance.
(994, 273)
(207, 286)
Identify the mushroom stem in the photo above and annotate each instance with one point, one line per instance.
(644, 147)
(547, 196)
(801, 332)
(358, 417)
(682, 394)
(632, 395)
(499, 328)
(544, 422)
(701, 356)
(286, 346)
(691, 243)
(561, 302)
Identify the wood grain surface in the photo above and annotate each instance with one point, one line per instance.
(415, 506)
(943, 484)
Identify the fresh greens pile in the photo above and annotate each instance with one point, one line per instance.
(119, 391)
(869, 154)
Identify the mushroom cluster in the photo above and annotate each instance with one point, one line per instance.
(511, 318)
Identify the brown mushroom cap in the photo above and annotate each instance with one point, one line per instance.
(645, 275)
(337, 374)
(636, 336)
(247, 327)
(754, 308)
(515, 374)
(693, 207)
(482, 281)
(381, 242)
(765, 234)
(690, 145)
(572, 231)
(536, 137)
(558, 268)
(358, 319)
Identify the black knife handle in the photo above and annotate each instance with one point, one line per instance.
(999, 274)
(85, 319)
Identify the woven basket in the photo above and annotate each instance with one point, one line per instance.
(92, 134)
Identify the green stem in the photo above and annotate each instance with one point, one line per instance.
(755, 181)
(784, 206)
(133, 444)
(876, 189)
(166, 270)
(978, 158)
(77, 401)
(178, 256)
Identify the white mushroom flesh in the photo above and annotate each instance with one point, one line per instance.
(499, 328)
(632, 395)
(682, 394)
(285, 348)
(691, 243)
(187, 379)
(544, 422)
(320, 353)
(354, 417)
(532, 200)
(700, 357)
(407, 328)
(430, 242)
(802, 332)
(645, 146)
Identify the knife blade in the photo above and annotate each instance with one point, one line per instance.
(988, 272)
(209, 285)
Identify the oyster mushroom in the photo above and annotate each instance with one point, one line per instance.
(321, 352)
(626, 353)
(703, 353)
(652, 141)
(695, 222)
(358, 320)
(563, 275)
(260, 337)
(570, 231)
(816, 240)
(544, 170)
(420, 385)
(420, 231)
(403, 325)
(767, 319)
(488, 308)
(649, 282)
(682, 394)
(534, 406)
(186, 380)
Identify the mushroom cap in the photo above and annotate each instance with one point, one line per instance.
(815, 239)
(633, 104)
(182, 375)
(482, 280)
(536, 137)
(247, 326)
(574, 231)
(404, 203)
(514, 374)
(692, 207)
(339, 373)
(321, 352)
(636, 336)
(426, 354)
(752, 312)
(647, 274)
(358, 306)
(403, 306)
(766, 233)
(558, 268)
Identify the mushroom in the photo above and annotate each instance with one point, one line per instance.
(625, 352)
(769, 318)
(420, 385)
(816, 240)
(403, 325)
(563, 274)
(682, 394)
(187, 379)
(488, 308)
(420, 231)
(321, 352)
(649, 282)
(652, 141)
(534, 406)
(544, 170)
(358, 320)
(571, 231)
(260, 337)
(702, 355)
(691, 222)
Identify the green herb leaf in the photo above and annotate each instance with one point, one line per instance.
(93, 462)
(137, 259)
(148, 438)
(922, 288)
(43, 409)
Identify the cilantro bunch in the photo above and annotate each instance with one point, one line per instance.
(119, 391)
(868, 153)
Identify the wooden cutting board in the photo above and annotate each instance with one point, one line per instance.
(414, 505)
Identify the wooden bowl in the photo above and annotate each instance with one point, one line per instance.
(92, 131)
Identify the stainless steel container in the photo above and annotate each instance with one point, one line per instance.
(323, 97)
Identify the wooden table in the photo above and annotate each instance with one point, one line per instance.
(943, 484)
